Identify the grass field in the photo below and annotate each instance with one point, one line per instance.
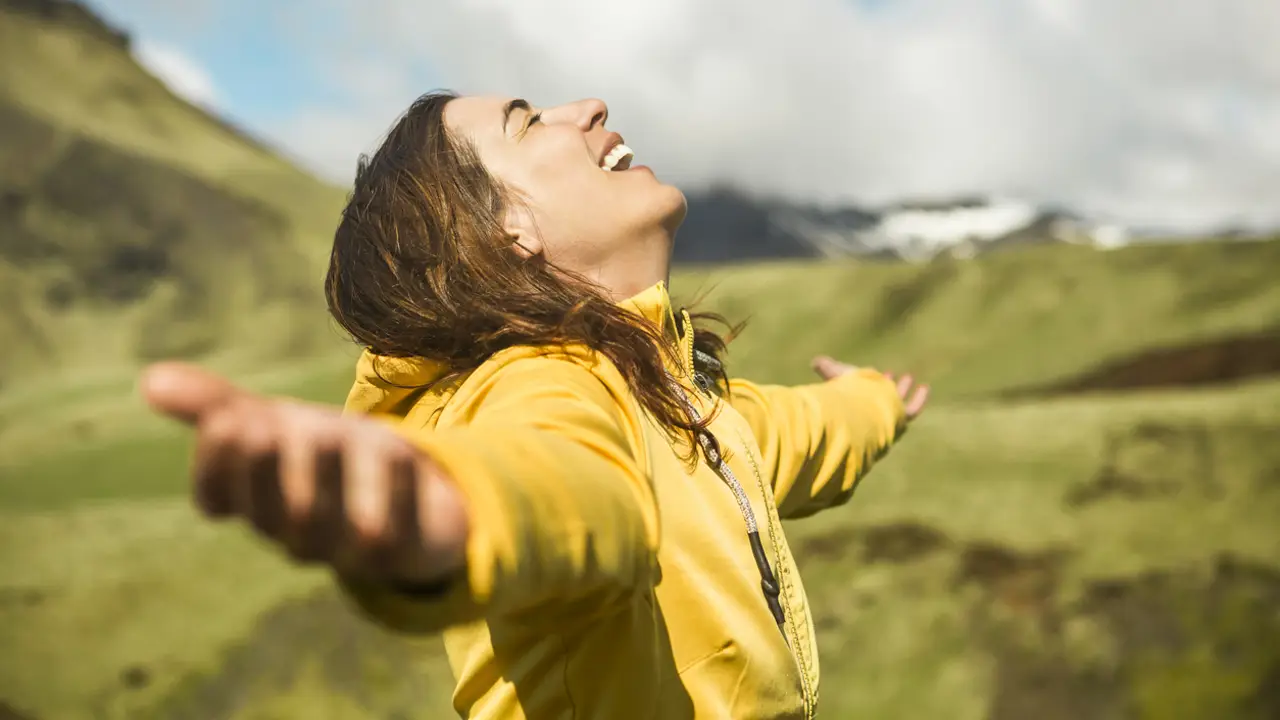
(1099, 555)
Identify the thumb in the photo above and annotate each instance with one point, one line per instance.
(829, 368)
(185, 392)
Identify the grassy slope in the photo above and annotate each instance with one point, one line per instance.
(99, 594)
(973, 574)
(1018, 317)
(104, 94)
(126, 212)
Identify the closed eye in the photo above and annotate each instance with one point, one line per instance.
(534, 119)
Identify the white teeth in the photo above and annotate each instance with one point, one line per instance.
(616, 156)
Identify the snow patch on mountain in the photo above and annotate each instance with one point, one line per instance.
(919, 231)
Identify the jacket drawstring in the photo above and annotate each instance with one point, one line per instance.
(768, 580)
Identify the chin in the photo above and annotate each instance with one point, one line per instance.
(675, 207)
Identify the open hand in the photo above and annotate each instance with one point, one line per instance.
(342, 490)
(913, 396)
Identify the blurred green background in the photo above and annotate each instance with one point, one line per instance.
(1084, 524)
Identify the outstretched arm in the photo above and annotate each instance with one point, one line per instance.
(537, 498)
(818, 440)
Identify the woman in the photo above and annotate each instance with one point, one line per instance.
(540, 456)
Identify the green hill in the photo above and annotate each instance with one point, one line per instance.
(1113, 555)
(133, 225)
(1015, 319)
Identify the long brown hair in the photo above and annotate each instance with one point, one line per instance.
(421, 267)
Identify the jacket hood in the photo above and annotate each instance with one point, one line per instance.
(392, 385)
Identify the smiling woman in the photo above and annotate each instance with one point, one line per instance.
(613, 228)
(540, 456)
(495, 195)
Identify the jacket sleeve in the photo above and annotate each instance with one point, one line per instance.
(560, 508)
(818, 440)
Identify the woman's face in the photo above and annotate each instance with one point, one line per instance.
(614, 226)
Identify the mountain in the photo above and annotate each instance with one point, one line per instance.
(134, 225)
(725, 226)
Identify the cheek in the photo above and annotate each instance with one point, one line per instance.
(539, 176)
(561, 180)
(559, 158)
(573, 219)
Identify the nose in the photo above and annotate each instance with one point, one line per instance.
(586, 114)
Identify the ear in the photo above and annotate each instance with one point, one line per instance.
(521, 229)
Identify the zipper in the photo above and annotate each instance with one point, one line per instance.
(775, 591)
(810, 692)
(768, 580)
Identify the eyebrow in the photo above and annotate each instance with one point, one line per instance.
(517, 104)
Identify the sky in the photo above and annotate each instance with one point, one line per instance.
(1152, 113)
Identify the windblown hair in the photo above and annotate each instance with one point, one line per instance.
(421, 267)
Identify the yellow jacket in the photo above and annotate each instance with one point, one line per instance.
(605, 579)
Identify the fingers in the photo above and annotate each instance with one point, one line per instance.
(320, 528)
(914, 397)
(338, 490)
(904, 385)
(216, 461)
(310, 477)
(185, 392)
(829, 368)
(404, 526)
(914, 404)
(258, 496)
(386, 537)
(372, 464)
(410, 523)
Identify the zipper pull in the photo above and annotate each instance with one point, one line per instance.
(768, 582)
(703, 382)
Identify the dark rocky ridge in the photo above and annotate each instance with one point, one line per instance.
(725, 225)
(1214, 361)
(71, 14)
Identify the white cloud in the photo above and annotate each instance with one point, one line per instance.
(1159, 112)
(184, 76)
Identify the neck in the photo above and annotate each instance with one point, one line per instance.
(643, 262)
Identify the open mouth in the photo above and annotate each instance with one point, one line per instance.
(617, 159)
